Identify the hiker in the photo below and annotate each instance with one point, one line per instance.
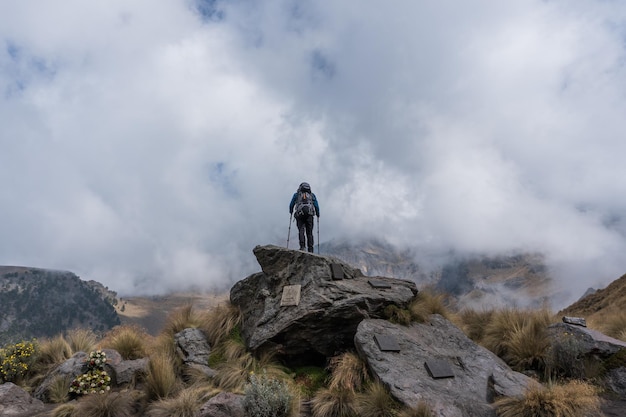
(304, 207)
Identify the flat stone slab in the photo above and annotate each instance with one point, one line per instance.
(336, 271)
(291, 295)
(387, 343)
(379, 284)
(438, 369)
(579, 321)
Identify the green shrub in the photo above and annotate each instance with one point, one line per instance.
(267, 397)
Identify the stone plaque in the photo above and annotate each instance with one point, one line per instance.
(378, 284)
(579, 321)
(387, 343)
(438, 369)
(291, 295)
(337, 271)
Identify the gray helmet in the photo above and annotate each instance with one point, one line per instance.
(305, 187)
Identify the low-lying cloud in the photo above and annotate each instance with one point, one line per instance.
(152, 146)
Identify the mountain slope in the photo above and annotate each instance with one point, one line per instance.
(595, 305)
(43, 303)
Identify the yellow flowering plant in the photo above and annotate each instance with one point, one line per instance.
(15, 360)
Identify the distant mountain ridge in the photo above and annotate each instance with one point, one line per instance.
(38, 303)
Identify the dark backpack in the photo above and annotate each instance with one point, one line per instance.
(304, 205)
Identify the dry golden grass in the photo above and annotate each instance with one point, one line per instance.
(64, 410)
(182, 318)
(348, 372)
(421, 410)
(574, 399)
(82, 340)
(233, 375)
(219, 322)
(428, 302)
(397, 315)
(59, 390)
(518, 336)
(376, 401)
(334, 403)
(105, 405)
(161, 380)
(474, 322)
(54, 351)
(49, 353)
(614, 325)
(130, 341)
(185, 404)
(527, 346)
(231, 349)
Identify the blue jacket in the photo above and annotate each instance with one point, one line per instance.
(295, 198)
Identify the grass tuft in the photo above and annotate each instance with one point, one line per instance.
(185, 404)
(114, 404)
(427, 302)
(161, 380)
(474, 323)
(59, 390)
(348, 372)
(334, 403)
(130, 341)
(574, 399)
(81, 340)
(64, 410)
(221, 323)
(376, 401)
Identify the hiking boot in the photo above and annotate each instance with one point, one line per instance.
(311, 250)
(302, 248)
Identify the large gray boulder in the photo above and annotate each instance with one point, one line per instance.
(588, 342)
(476, 376)
(14, 401)
(334, 299)
(122, 372)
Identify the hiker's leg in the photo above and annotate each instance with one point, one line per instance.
(309, 233)
(301, 230)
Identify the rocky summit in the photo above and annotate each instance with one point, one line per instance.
(338, 309)
(332, 299)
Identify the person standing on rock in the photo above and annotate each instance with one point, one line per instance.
(304, 207)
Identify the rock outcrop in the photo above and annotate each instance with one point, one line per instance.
(193, 348)
(466, 377)
(122, 372)
(224, 404)
(333, 299)
(588, 342)
(14, 401)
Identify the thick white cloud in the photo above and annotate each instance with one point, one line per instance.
(150, 146)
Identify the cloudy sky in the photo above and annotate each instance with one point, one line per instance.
(150, 145)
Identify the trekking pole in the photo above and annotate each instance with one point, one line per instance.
(289, 233)
(318, 235)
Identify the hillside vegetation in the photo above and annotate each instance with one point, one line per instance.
(42, 303)
(342, 388)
